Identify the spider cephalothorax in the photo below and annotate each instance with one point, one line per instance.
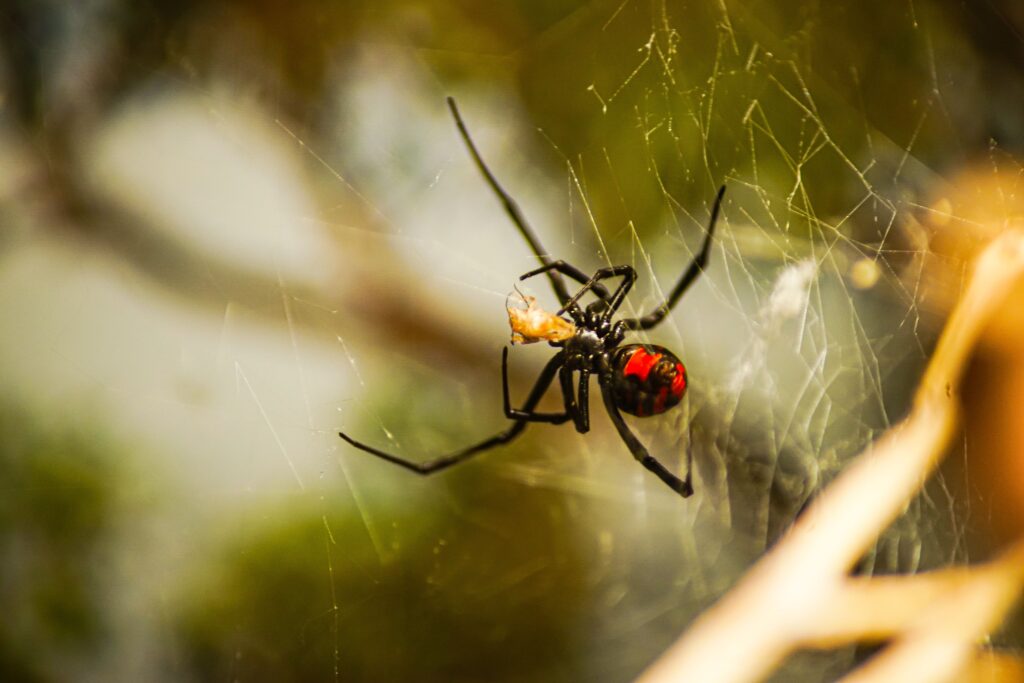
(639, 379)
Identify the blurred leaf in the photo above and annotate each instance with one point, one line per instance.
(60, 503)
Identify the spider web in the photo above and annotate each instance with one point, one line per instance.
(330, 259)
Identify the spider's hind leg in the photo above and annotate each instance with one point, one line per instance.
(445, 461)
(683, 487)
(529, 415)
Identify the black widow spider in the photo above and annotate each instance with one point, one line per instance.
(639, 379)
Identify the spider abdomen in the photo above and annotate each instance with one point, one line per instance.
(647, 379)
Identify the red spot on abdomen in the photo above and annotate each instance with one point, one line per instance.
(648, 379)
(640, 364)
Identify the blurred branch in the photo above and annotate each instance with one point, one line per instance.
(96, 67)
(876, 608)
(205, 279)
(939, 642)
(799, 594)
(50, 200)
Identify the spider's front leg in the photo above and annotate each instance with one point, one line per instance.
(575, 273)
(628, 275)
(683, 487)
(554, 269)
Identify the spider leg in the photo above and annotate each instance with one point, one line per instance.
(528, 415)
(688, 277)
(511, 207)
(683, 487)
(503, 437)
(583, 421)
(615, 300)
(579, 408)
(571, 271)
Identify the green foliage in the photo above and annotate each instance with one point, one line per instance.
(443, 595)
(59, 504)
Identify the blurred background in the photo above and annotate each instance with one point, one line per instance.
(230, 228)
